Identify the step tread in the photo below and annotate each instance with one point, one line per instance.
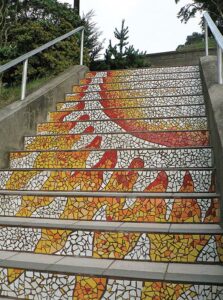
(111, 194)
(112, 226)
(202, 273)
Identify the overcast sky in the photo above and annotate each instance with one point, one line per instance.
(153, 24)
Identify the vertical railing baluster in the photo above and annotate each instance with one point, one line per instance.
(219, 62)
(82, 48)
(24, 79)
(206, 38)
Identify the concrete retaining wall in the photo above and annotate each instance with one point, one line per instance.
(176, 58)
(214, 99)
(20, 118)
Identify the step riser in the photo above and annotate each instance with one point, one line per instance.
(139, 72)
(138, 85)
(120, 126)
(147, 210)
(154, 247)
(87, 159)
(19, 283)
(118, 141)
(162, 92)
(136, 102)
(103, 114)
(111, 181)
(112, 79)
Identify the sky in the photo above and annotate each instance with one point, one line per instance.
(153, 24)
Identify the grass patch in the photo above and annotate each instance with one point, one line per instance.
(198, 45)
(11, 94)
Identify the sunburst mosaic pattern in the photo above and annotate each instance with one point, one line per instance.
(125, 131)
(40, 285)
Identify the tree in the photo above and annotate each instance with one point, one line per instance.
(27, 24)
(121, 56)
(93, 34)
(214, 7)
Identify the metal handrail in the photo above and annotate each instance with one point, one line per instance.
(25, 57)
(209, 23)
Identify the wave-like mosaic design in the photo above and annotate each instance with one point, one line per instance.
(113, 209)
(156, 247)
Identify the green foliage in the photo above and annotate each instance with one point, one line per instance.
(121, 56)
(196, 42)
(214, 7)
(30, 24)
(93, 34)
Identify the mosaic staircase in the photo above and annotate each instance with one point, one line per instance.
(115, 196)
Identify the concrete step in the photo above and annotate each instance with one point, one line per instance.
(122, 125)
(152, 84)
(125, 241)
(129, 113)
(143, 71)
(131, 140)
(110, 277)
(159, 158)
(134, 179)
(136, 102)
(146, 77)
(113, 207)
(136, 93)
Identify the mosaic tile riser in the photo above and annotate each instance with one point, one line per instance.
(127, 103)
(41, 285)
(118, 141)
(187, 69)
(112, 209)
(122, 94)
(134, 113)
(87, 159)
(118, 126)
(109, 181)
(137, 85)
(130, 78)
(115, 245)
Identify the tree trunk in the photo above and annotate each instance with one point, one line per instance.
(77, 5)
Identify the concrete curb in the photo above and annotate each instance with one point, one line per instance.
(213, 93)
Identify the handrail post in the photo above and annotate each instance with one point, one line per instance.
(219, 62)
(24, 79)
(206, 39)
(82, 48)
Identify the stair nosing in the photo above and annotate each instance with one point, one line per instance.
(178, 195)
(158, 271)
(114, 169)
(106, 226)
